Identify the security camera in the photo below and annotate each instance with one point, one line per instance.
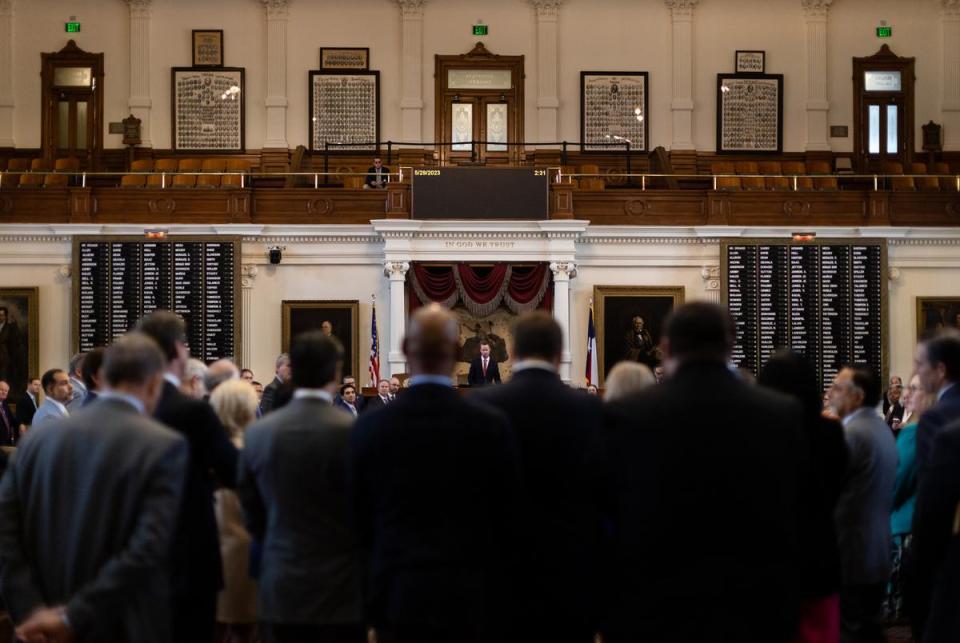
(276, 254)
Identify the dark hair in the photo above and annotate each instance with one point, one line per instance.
(47, 380)
(166, 329)
(537, 334)
(867, 381)
(792, 373)
(245, 370)
(700, 329)
(314, 358)
(135, 358)
(343, 389)
(944, 348)
(255, 383)
(76, 360)
(485, 342)
(92, 362)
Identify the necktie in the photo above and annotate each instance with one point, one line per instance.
(6, 425)
(484, 367)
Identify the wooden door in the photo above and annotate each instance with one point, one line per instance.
(72, 105)
(883, 95)
(884, 135)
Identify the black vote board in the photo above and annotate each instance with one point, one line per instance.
(118, 280)
(824, 299)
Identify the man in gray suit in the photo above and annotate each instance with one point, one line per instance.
(87, 510)
(862, 514)
(58, 391)
(292, 482)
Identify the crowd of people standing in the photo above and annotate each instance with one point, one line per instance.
(152, 498)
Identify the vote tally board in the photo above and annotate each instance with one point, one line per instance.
(118, 280)
(825, 299)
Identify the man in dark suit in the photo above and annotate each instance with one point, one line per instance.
(935, 551)
(90, 565)
(347, 400)
(293, 488)
(195, 561)
(381, 399)
(434, 482)
(483, 369)
(90, 373)
(862, 514)
(27, 406)
(274, 390)
(9, 428)
(707, 473)
(937, 363)
(377, 176)
(561, 459)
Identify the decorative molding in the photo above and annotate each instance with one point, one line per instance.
(138, 8)
(563, 270)
(950, 8)
(352, 238)
(816, 8)
(650, 241)
(411, 8)
(681, 8)
(276, 9)
(893, 274)
(711, 278)
(65, 271)
(396, 270)
(248, 274)
(546, 8)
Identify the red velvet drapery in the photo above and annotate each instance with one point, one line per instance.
(482, 289)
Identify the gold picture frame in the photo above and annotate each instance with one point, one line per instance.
(301, 315)
(19, 338)
(934, 313)
(207, 47)
(357, 58)
(614, 308)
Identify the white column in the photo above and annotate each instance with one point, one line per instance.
(548, 65)
(411, 70)
(950, 107)
(817, 106)
(246, 314)
(276, 101)
(397, 272)
(681, 106)
(139, 100)
(563, 271)
(6, 73)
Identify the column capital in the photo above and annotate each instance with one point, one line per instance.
(816, 8)
(276, 8)
(249, 273)
(396, 270)
(950, 8)
(546, 8)
(711, 278)
(681, 8)
(411, 8)
(563, 270)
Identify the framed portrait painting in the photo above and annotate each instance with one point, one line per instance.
(19, 338)
(934, 313)
(337, 318)
(207, 47)
(208, 109)
(629, 322)
(749, 113)
(614, 110)
(344, 110)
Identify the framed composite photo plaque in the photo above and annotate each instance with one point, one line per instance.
(207, 47)
(344, 110)
(749, 113)
(208, 109)
(614, 110)
(345, 58)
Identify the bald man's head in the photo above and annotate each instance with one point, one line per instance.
(432, 341)
(219, 372)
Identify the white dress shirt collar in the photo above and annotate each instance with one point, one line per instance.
(173, 379)
(313, 394)
(527, 364)
(129, 399)
(442, 380)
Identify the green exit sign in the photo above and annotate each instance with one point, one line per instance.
(884, 32)
(71, 27)
(480, 30)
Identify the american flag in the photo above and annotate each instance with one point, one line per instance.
(374, 349)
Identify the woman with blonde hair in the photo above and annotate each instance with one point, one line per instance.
(235, 403)
(625, 379)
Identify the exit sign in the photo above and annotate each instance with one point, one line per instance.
(71, 27)
(480, 30)
(884, 32)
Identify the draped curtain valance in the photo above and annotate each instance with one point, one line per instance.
(482, 289)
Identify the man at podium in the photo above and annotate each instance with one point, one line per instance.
(483, 369)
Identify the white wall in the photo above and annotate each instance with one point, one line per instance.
(595, 35)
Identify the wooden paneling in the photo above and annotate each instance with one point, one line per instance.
(329, 205)
(790, 208)
(641, 207)
(111, 205)
(35, 206)
(923, 209)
